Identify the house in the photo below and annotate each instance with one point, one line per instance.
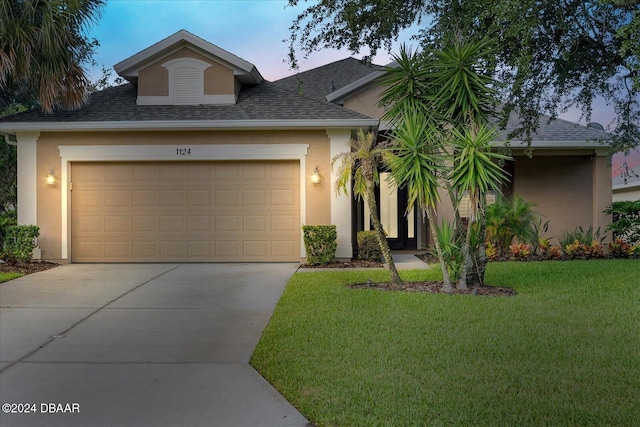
(626, 176)
(199, 159)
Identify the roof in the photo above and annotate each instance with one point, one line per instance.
(245, 71)
(264, 105)
(321, 81)
(557, 133)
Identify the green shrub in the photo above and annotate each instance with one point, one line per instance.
(320, 242)
(368, 246)
(450, 248)
(7, 219)
(581, 236)
(509, 219)
(626, 221)
(20, 240)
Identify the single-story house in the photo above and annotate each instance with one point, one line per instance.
(199, 159)
(626, 176)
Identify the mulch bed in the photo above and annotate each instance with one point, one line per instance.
(347, 264)
(26, 267)
(436, 288)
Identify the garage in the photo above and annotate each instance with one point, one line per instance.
(217, 211)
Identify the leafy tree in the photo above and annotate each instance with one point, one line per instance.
(362, 164)
(42, 49)
(550, 55)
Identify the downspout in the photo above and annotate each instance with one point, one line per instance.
(10, 138)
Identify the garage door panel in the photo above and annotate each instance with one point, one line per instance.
(186, 211)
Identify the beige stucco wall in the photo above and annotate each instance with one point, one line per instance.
(366, 101)
(624, 194)
(153, 80)
(568, 190)
(49, 198)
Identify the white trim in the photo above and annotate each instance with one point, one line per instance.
(206, 99)
(129, 67)
(106, 153)
(28, 178)
(187, 124)
(339, 141)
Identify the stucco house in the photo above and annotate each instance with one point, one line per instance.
(199, 159)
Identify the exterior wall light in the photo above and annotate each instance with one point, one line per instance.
(51, 177)
(315, 176)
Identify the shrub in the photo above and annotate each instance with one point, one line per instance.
(621, 249)
(509, 219)
(554, 252)
(520, 251)
(20, 240)
(368, 246)
(491, 251)
(626, 221)
(320, 242)
(450, 247)
(584, 237)
(7, 219)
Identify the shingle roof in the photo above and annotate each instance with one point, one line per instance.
(557, 132)
(321, 81)
(265, 102)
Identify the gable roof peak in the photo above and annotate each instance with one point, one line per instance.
(245, 71)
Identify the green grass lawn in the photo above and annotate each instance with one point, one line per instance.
(5, 277)
(564, 352)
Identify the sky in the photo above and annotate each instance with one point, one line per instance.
(255, 30)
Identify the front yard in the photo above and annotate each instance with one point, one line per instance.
(564, 351)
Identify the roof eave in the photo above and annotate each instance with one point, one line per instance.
(13, 128)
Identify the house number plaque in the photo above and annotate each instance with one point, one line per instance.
(183, 151)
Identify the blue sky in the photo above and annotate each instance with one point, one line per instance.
(251, 29)
(254, 30)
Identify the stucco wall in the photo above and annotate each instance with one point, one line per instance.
(49, 198)
(569, 191)
(366, 101)
(153, 80)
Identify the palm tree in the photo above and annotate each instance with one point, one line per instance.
(362, 163)
(42, 45)
(475, 172)
(416, 162)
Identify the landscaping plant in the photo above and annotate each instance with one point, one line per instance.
(320, 242)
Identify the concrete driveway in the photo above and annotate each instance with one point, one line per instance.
(139, 345)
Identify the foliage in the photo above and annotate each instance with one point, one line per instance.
(545, 357)
(626, 220)
(7, 219)
(368, 247)
(450, 247)
(361, 164)
(520, 251)
(619, 248)
(580, 235)
(43, 48)
(492, 251)
(320, 242)
(20, 240)
(577, 249)
(509, 219)
(550, 56)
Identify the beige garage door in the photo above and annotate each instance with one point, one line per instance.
(185, 212)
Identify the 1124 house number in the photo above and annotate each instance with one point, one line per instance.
(183, 151)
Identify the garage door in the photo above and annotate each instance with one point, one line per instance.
(185, 212)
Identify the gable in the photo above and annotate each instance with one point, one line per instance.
(186, 78)
(186, 70)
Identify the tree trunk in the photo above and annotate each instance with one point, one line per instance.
(467, 262)
(443, 266)
(396, 281)
(475, 275)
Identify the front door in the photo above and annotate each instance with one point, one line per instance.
(392, 206)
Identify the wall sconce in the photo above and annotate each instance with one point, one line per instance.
(315, 176)
(51, 177)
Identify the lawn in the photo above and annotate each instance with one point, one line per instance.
(565, 351)
(5, 277)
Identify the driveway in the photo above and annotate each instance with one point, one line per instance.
(140, 345)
